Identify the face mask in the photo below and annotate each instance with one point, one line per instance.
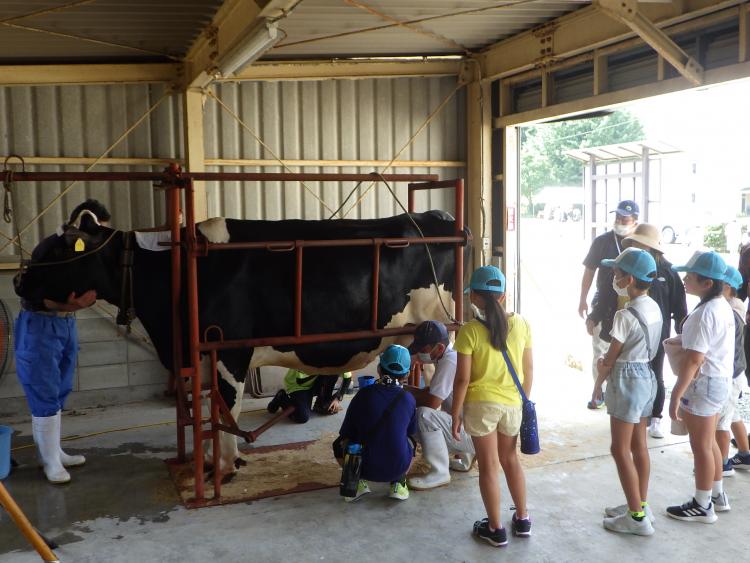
(621, 291)
(478, 313)
(425, 358)
(623, 230)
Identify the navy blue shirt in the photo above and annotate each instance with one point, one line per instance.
(388, 454)
(604, 303)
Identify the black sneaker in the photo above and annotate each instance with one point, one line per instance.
(521, 528)
(498, 538)
(275, 403)
(693, 512)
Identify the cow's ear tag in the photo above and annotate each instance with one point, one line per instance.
(80, 246)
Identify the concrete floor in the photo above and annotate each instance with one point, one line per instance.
(122, 506)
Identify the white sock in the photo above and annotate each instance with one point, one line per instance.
(703, 497)
(718, 488)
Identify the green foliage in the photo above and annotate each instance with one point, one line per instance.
(715, 237)
(543, 158)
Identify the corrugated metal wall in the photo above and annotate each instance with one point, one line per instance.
(331, 120)
(83, 121)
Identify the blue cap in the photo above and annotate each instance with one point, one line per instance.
(707, 264)
(428, 333)
(627, 208)
(481, 278)
(733, 277)
(636, 262)
(395, 360)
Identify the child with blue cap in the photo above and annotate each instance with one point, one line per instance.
(382, 418)
(631, 387)
(484, 390)
(730, 417)
(704, 382)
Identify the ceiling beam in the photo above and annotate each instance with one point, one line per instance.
(36, 75)
(583, 31)
(231, 22)
(374, 68)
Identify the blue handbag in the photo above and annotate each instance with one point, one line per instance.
(529, 428)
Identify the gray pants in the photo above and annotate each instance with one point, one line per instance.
(431, 420)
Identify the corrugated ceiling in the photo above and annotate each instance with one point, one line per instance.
(163, 30)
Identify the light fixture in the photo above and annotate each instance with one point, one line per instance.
(250, 48)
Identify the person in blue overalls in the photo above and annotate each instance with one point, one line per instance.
(46, 344)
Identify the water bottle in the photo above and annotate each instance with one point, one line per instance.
(351, 471)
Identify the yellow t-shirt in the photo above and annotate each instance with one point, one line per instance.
(490, 379)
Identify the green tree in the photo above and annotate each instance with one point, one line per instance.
(543, 147)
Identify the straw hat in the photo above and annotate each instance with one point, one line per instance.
(647, 235)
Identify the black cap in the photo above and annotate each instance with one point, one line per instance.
(428, 333)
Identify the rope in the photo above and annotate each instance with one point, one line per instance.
(48, 10)
(9, 200)
(113, 316)
(88, 39)
(88, 169)
(408, 22)
(410, 27)
(421, 128)
(265, 146)
(427, 249)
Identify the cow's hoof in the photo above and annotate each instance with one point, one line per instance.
(227, 478)
(239, 462)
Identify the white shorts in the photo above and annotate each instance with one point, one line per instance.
(730, 412)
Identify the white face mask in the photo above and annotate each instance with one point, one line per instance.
(623, 230)
(425, 358)
(478, 313)
(621, 291)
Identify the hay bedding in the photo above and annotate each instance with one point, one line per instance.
(274, 471)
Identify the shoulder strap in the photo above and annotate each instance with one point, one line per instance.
(386, 413)
(515, 377)
(641, 322)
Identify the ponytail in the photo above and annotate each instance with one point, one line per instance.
(494, 319)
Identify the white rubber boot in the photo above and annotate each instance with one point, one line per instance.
(435, 452)
(65, 459)
(461, 462)
(46, 431)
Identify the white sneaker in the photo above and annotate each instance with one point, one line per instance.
(721, 502)
(625, 524)
(613, 511)
(654, 429)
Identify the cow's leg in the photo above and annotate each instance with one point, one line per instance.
(231, 389)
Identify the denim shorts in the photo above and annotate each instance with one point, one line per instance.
(631, 390)
(706, 396)
(731, 411)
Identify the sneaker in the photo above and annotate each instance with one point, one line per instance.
(520, 528)
(727, 469)
(612, 511)
(691, 511)
(275, 403)
(721, 503)
(498, 538)
(740, 461)
(362, 489)
(626, 524)
(464, 462)
(399, 491)
(654, 429)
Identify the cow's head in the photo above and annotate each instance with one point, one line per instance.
(82, 258)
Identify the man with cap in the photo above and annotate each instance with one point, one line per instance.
(605, 302)
(382, 419)
(432, 346)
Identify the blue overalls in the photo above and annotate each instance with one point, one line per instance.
(46, 349)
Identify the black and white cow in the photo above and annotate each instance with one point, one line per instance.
(250, 293)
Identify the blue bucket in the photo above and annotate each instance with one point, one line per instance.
(5, 433)
(365, 380)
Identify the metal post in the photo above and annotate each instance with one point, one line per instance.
(458, 290)
(298, 292)
(194, 338)
(375, 286)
